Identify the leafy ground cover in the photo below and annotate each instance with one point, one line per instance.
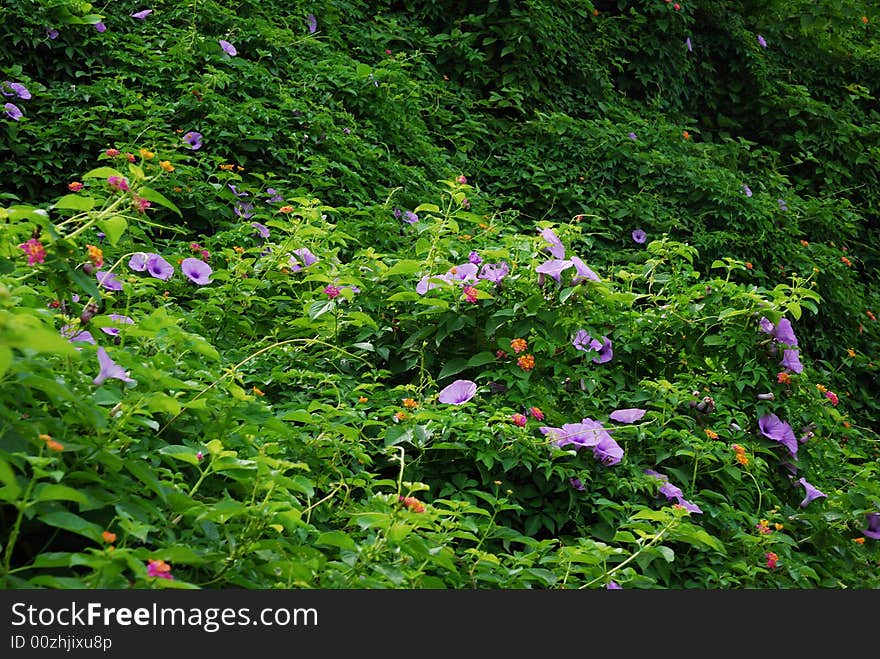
(438, 295)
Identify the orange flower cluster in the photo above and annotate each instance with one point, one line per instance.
(413, 504)
(526, 362)
(741, 456)
(711, 434)
(96, 256)
(52, 444)
(410, 403)
(519, 345)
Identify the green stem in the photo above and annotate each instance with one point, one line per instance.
(16, 527)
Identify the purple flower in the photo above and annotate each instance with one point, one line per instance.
(586, 433)
(613, 585)
(273, 195)
(228, 48)
(583, 272)
(74, 334)
(244, 210)
(581, 340)
(762, 41)
(262, 229)
(109, 369)
(52, 33)
(17, 88)
(159, 267)
(554, 246)
(108, 280)
(141, 15)
(689, 45)
(604, 349)
(12, 111)
(671, 492)
(812, 492)
(464, 274)
(494, 272)
(429, 282)
(410, 218)
(782, 205)
(312, 22)
(639, 236)
(305, 255)
(116, 318)
(632, 136)
(608, 451)
(554, 268)
(773, 428)
(747, 190)
(627, 415)
(457, 393)
(791, 362)
(474, 258)
(138, 261)
(873, 530)
(194, 139)
(100, 27)
(397, 213)
(196, 270)
(781, 332)
(236, 192)
(577, 484)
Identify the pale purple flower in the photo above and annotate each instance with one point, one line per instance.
(244, 210)
(52, 33)
(581, 340)
(142, 15)
(873, 530)
(194, 139)
(474, 258)
(12, 111)
(604, 350)
(100, 27)
(689, 45)
(397, 213)
(312, 22)
(458, 393)
(464, 274)
(236, 192)
(671, 492)
(494, 272)
(782, 332)
(762, 41)
(627, 415)
(109, 368)
(583, 272)
(773, 428)
(73, 333)
(108, 280)
(262, 229)
(586, 433)
(747, 190)
(273, 195)
(16, 88)
(812, 492)
(305, 256)
(138, 261)
(765, 325)
(429, 282)
(116, 318)
(791, 361)
(782, 204)
(196, 270)
(228, 48)
(410, 218)
(159, 267)
(554, 245)
(554, 268)
(576, 484)
(632, 136)
(639, 236)
(608, 451)
(613, 585)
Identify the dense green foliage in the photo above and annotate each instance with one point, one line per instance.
(248, 250)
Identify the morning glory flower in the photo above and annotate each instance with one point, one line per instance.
(773, 428)
(613, 585)
(812, 492)
(474, 258)
(689, 45)
(194, 139)
(116, 318)
(583, 272)
(554, 246)
(262, 229)
(52, 33)
(138, 261)
(228, 48)
(17, 88)
(494, 272)
(244, 210)
(312, 22)
(73, 333)
(627, 415)
(554, 268)
(577, 484)
(305, 255)
(159, 267)
(632, 136)
(639, 236)
(747, 190)
(585, 433)
(109, 369)
(762, 41)
(604, 349)
(464, 273)
(13, 112)
(458, 393)
(781, 332)
(196, 270)
(273, 195)
(429, 282)
(671, 492)
(410, 218)
(782, 204)
(108, 280)
(791, 362)
(142, 15)
(873, 530)
(100, 27)
(581, 340)
(608, 451)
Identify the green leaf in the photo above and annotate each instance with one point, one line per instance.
(182, 453)
(452, 367)
(102, 172)
(5, 359)
(53, 492)
(404, 267)
(73, 523)
(151, 195)
(75, 202)
(336, 539)
(114, 227)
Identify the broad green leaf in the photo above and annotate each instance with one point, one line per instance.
(75, 202)
(114, 227)
(336, 539)
(452, 367)
(73, 523)
(102, 172)
(151, 195)
(404, 267)
(54, 492)
(5, 358)
(182, 453)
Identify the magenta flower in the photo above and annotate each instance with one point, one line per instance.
(779, 431)
(159, 267)
(109, 369)
(119, 319)
(812, 492)
(142, 15)
(196, 270)
(458, 393)
(519, 419)
(194, 139)
(554, 245)
(639, 236)
(312, 22)
(108, 280)
(118, 183)
(228, 48)
(332, 291)
(873, 530)
(627, 415)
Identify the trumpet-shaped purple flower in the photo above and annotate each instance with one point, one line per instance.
(585, 433)
(782, 332)
(689, 45)
(52, 33)
(244, 210)
(100, 27)
(159, 267)
(554, 268)
(581, 340)
(791, 362)
(554, 245)
(16, 88)
(312, 22)
(119, 319)
(747, 190)
(494, 272)
(608, 451)
(194, 139)
(577, 484)
(873, 530)
(632, 136)
(465, 273)
(671, 492)
(262, 229)
(779, 431)
(474, 258)
(429, 282)
(583, 272)
(604, 350)
(228, 48)
(410, 218)
(458, 393)
(109, 369)
(75, 334)
(639, 236)
(762, 41)
(108, 280)
(196, 270)
(305, 256)
(627, 415)
(138, 261)
(273, 195)
(12, 111)
(812, 492)
(613, 585)
(142, 15)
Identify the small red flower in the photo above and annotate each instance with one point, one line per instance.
(772, 559)
(75, 186)
(519, 419)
